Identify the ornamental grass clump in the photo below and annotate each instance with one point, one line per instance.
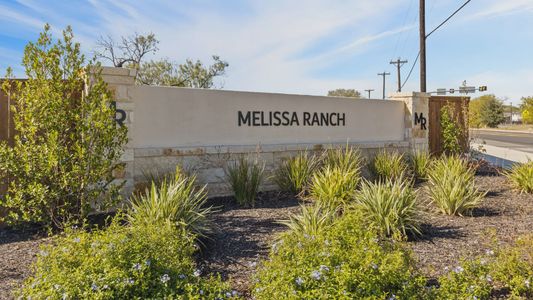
(389, 165)
(346, 261)
(311, 221)
(294, 174)
(451, 186)
(346, 159)
(420, 162)
(177, 200)
(332, 186)
(244, 176)
(151, 261)
(521, 177)
(391, 207)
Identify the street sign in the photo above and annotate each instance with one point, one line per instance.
(467, 89)
(441, 91)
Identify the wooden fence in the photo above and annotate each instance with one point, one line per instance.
(459, 107)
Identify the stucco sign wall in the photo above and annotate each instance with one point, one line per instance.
(178, 117)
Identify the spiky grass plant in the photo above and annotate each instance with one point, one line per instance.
(179, 201)
(389, 165)
(311, 221)
(244, 176)
(294, 174)
(347, 159)
(391, 207)
(451, 186)
(420, 162)
(521, 177)
(333, 186)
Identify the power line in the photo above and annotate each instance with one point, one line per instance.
(412, 68)
(447, 19)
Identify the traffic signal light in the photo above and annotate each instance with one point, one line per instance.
(483, 88)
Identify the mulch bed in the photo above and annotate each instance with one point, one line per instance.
(244, 235)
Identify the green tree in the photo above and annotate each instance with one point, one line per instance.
(350, 93)
(67, 142)
(486, 110)
(190, 74)
(527, 110)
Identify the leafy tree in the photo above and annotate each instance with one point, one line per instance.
(527, 110)
(350, 93)
(129, 52)
(190, 74)
(67, 142)
(486, 110)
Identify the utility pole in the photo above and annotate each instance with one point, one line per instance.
(422, 18)
(383, 74)
(369, 90)
(399, 63)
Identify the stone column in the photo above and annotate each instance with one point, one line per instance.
(416, 118)
(120, 80)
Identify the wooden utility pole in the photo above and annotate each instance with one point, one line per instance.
(368, 91)
(399, 63)
(383, 74)
(422, 19)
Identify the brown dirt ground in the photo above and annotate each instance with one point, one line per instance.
(243, 235)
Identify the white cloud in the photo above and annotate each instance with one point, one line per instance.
(503, 7)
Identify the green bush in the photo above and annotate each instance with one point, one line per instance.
(311, 221)
(176, 200)
(294, 174)
(420, 163)
(391, 207)
(345, 262)
(153, 261)
(346, 159)
(244, 177)
(389, 165)
(452, 134)
(451, 186)
(521, 177)
(66, 142)
(332, 187)
(513, 267)
(470, 280)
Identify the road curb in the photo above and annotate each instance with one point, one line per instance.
(504, 153)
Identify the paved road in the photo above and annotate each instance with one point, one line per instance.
(506, 139)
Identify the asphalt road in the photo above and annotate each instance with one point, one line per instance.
(520, 141)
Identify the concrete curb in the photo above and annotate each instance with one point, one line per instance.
(504, 153)
(501, 130)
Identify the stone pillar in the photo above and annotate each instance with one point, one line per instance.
(416, 118)
(120, 80)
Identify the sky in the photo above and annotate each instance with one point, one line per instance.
(303, 46)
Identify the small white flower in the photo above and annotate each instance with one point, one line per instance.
(76, 240)
(392, 297)
(43, 253)
(164, 278)
(201, 292)
(181, 276)
(148, 262)
(489, 252)
(197, 273)
(488, 278)
(57, 286)
(324, 268)
(228, 294)
(526, 282)
(374, 266)
(94, 287)
(130, 281)
(253, 264)
(234, 293)
(458, 269)
(299, 281)
(136, 266)
(105, 287)
(316, 275)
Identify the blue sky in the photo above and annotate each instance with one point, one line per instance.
(303, 46)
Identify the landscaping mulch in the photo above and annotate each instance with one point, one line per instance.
(244, 235)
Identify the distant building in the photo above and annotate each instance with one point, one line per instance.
(515, 117)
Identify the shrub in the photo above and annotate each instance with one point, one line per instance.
(452, 133)
(471, 280)
(311, 221)
(332, 186)
(176, 200)
(346, 261)
(390, 207)
(389, 165)
(513, 267)
(347, 160)
(293, 175)
(451, 186)
(244, 177)
(420, 164)
(67, 142)
(135, 262)
(521, 177)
